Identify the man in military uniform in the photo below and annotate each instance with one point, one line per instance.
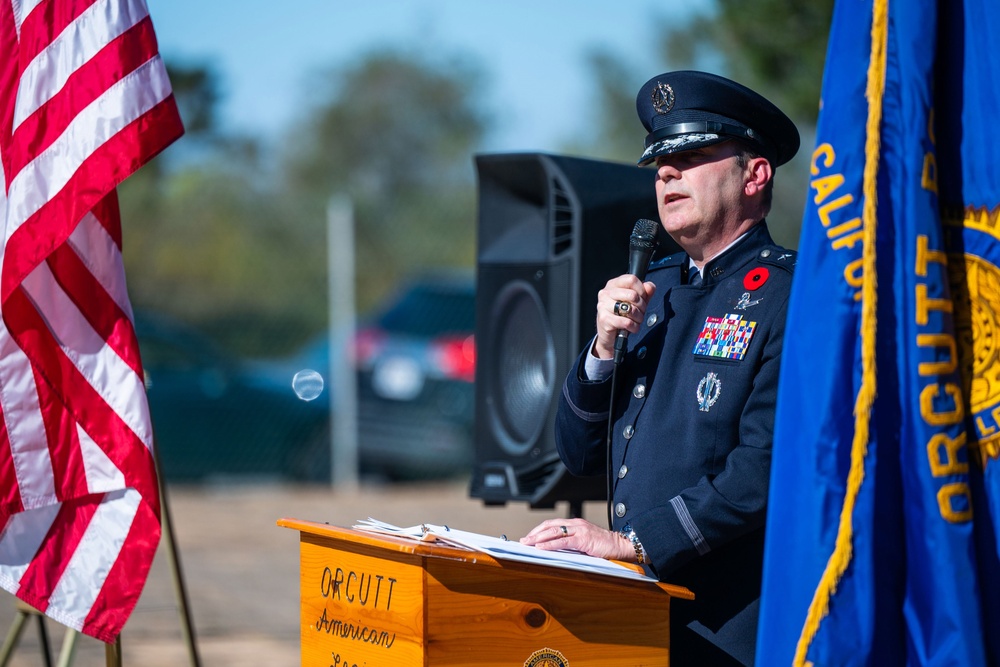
(692, 424)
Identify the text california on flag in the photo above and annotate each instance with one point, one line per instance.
(725, 337)
(84, 102)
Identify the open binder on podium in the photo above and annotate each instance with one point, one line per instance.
(503, 549)
(378, 594)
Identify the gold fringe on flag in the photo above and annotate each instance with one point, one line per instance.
(843, 550)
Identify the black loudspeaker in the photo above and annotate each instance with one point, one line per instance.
(552, 231)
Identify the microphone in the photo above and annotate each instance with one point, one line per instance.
(641, 245)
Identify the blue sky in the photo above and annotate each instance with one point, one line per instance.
(533, 51)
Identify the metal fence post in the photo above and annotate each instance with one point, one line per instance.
(343, 320)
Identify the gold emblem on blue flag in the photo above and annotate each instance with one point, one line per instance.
(976, 282)
(725, 337)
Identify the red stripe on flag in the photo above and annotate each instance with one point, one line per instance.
(119, 58)
(10, 497)
(64, 444)
(106, 167)
(109, 215)
(119, 594)
(46, 22)
(97, 306)
(47, 567)
(118, 441)
(9, 74)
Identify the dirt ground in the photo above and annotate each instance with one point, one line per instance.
(240, 570)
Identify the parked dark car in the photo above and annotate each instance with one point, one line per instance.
(415, 359)
(416, 363)
(215, 416)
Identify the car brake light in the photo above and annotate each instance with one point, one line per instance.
(456, 357)
(367, 343)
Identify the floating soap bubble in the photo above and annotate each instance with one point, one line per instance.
(308, 384)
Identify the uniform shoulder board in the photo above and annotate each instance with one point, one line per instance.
(674, 260)
(777, 256)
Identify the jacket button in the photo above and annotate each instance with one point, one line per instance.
(766, 252)
(651, 320)
(620, 510)
(622, 472)
(628, 432)
(639, 391)
(641, 352)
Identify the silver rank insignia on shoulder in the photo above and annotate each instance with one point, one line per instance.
(745, 301)
(708, 391)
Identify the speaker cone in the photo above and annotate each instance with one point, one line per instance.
(524, 374)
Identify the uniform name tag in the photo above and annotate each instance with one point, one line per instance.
(725, 337)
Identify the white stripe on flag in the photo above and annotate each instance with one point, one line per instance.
(111, 378)
(100, 254)
(20, 540)
(82, 39)
(41, 179)
(22, 415)
(97, 552)
(102, 474)
(22, 8)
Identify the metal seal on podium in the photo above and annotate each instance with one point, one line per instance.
(546, 657)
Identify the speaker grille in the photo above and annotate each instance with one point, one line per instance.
(563, 218)
(524, 376)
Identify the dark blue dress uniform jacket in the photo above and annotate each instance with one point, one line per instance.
(691, 440)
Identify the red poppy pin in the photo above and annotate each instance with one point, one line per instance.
(755, 278)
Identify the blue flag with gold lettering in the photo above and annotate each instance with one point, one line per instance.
(885, 487)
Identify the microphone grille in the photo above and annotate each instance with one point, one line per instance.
(644, 234)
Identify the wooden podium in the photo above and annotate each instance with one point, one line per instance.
(378, 601)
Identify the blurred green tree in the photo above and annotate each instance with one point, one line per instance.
(617, 133)
(196, 89)
(395, 133)
(219, 237)
(208, 237)
(777, 47)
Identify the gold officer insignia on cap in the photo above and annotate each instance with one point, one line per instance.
(663, 98)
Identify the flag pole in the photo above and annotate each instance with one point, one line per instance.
(24, 610)
(113, 652)
(173, 556)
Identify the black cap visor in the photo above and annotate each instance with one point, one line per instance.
(697, 134)
(677, 144)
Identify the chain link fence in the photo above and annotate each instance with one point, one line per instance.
(247, 396)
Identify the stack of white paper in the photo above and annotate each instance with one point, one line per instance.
(503, 549)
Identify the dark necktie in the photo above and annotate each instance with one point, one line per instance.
(694, 276)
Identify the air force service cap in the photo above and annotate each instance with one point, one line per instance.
(686, 110)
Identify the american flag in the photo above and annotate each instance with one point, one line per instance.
(84, 102)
